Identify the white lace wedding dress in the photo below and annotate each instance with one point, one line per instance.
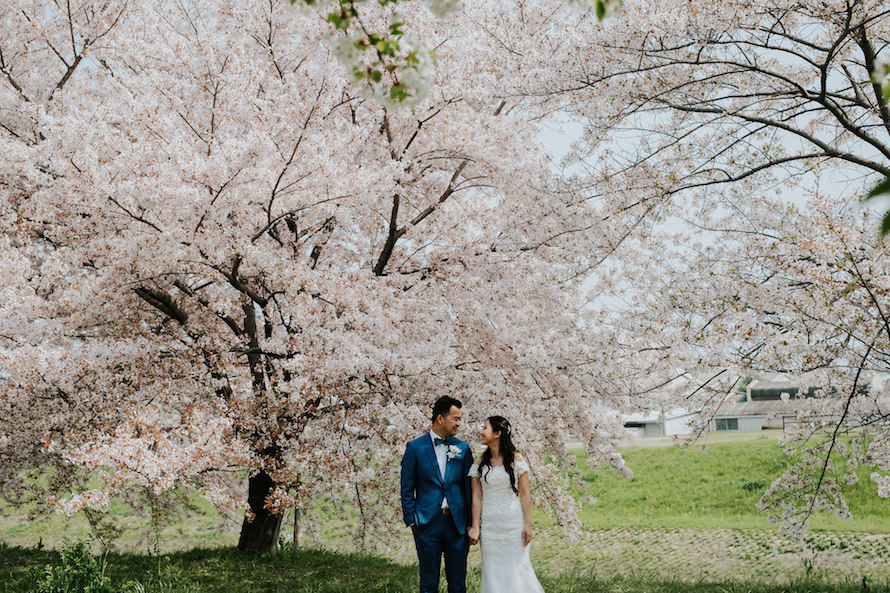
(506, 567)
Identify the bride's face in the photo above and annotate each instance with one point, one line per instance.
(488, 435)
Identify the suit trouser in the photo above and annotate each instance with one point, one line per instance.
(440, 538)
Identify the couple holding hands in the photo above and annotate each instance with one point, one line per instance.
(452, 501)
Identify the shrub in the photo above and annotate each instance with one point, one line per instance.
(78, 572)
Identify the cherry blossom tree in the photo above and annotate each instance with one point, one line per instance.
(729, 143)
(229, 257)
(224, 263)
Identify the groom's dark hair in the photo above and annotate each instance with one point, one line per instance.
(443, 406)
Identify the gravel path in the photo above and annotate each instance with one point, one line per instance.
(702, 554)
(716, 554)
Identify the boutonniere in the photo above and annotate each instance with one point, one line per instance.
(453, 452)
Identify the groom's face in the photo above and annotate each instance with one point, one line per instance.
(451, 422)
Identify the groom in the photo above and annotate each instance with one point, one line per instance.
(436, 498)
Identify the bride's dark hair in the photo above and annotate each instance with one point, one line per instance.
(506, 447)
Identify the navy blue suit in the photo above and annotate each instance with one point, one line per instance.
(437, 534)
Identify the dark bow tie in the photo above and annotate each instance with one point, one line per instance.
(445, 441)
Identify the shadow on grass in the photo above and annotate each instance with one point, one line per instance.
(226, 570)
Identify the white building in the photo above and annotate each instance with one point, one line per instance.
(659, 423)
(762, 407)
(772, 403)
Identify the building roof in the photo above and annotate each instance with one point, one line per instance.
(653, 416)
(757, 408)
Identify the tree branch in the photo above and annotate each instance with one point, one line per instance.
(163, 302)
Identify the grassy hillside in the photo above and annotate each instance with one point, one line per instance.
(688, 514)
(711, 486)
(715, 485)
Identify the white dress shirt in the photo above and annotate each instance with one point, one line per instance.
(442, 459)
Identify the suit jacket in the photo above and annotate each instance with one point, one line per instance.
(424, 488)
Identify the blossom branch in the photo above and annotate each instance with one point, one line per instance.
(133, 215)
(163, 302)
(833, 441)
(5, 68)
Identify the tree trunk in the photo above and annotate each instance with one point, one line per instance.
(296, 529)
(261, 534)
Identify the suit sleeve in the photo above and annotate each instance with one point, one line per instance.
(408, 481)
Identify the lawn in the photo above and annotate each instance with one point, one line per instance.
(710, 486)
(688, 514)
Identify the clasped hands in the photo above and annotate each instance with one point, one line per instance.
(473, 535)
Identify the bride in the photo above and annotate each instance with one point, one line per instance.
(502, 510)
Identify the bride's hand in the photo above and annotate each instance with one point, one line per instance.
(526, 535)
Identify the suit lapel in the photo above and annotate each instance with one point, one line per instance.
(448, 465)
(431, 455)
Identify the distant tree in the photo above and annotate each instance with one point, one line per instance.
(716, 136)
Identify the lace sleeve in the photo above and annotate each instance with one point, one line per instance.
(520, 468)
(474, 471)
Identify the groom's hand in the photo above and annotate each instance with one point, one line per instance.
(473, 534)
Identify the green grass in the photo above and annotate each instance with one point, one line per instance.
(653, 533)
(312, 571)
(711, 486)
(646, 527)
(202, 528)
(714, 485)
(227, 570)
